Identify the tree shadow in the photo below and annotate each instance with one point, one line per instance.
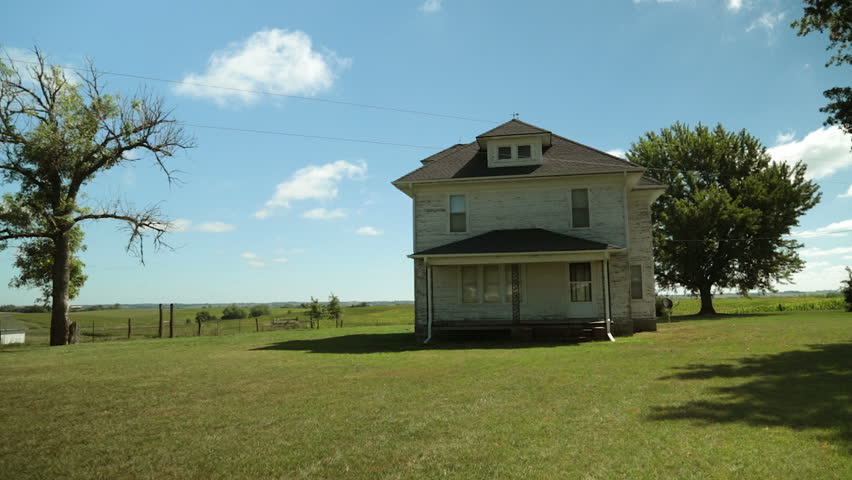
(403, 342)
(717, 316)
(800, 389)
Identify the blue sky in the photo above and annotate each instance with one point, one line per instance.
(266, 217)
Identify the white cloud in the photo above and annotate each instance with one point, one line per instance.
(787, 137)
(847, 257)
(735, 5)
(431, 6)
(848, 193)
(767, 22)
(280, 260)
(275, 60)
(819, 276)
(312, 182)
(256, 264)
(323, 214)
(819, 252)
(249, 256)
(179, 225)
(617, 152)
(290, 251)
(825, 151)
(184, 225)
(836, 229)
(368, 231)
(214, 227)
(658, 1)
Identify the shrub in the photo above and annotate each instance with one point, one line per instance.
(847, 290)
(233, 312)
(259, 310)
(203, 316)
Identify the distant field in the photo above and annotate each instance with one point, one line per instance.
(109, 324)
(742, 305)
(737, 397)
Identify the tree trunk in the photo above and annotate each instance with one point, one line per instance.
(706, 300)
(61, 280)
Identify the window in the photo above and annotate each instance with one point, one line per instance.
(580, 208)
(504, 153)
(524, 152)
(580, 282)
(491, 279)
(470, 284)
(636, 282)
(458, 213)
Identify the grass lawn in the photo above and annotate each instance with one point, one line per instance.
(765, 396)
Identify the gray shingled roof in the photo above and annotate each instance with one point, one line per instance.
(523, 240)
(562, 157)
(513, 127)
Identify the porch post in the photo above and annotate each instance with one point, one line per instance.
(606, 298)
(428, 303)
(516, 294)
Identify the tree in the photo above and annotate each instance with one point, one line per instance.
(34, 262)
(203, 316)
(847, 289)
(315, 313)
(334, 311)
(834, 16)
(723, 221)
(57, 134)
(259, 310)
(233, 312)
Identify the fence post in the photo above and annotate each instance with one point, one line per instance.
(256, 324)
(239, 325)
(171, 320)
(161, 320)
(199, 327)
(129, 329)
(218, 325)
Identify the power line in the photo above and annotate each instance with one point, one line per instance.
(743, 239)
(300, 135)
(273, 94)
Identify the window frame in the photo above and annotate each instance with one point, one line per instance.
(588, 207)
(505, 299)
(588, 282)
(641, 282)
(450, 213)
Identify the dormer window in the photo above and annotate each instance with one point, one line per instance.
(512, 152)
(504, 153)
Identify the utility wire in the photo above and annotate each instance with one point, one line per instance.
(706, 240)
(319, 137)
(273, 94)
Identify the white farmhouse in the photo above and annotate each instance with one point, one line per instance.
(529, 232)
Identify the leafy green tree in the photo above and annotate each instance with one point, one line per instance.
(259, 311)
(724, 219)
(56, 135)
(334, 311)
(834, 17)
(233, 312)
(34, 262)
(847, 290)
(315, 312)
(204, 316)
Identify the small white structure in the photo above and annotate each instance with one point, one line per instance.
(9, 336)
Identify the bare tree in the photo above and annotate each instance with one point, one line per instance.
(57, 133)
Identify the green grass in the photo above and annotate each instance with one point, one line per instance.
(765, 396)
(112, 324)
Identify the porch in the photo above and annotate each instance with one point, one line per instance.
(561, 292)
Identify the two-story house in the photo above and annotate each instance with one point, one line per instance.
(528, 231)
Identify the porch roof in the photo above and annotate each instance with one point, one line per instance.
(519, 241)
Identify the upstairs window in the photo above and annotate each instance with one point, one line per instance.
(580, 208)
(504, 153)
(524, 152)
(458, 214)
(580, 282)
